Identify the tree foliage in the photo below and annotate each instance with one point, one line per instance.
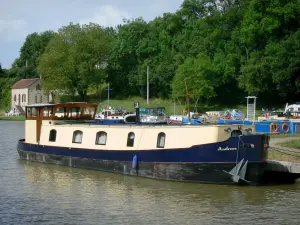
(223, 49)
(76, 58)
(26, 65)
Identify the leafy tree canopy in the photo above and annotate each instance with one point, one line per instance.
(75, 58)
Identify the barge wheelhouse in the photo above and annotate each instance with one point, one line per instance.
(67, 134)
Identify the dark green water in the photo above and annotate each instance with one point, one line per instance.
(34, 193)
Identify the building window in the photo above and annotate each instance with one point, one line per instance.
(130, 139)
(35, 99)
(38, 87)
(161, 139)
(77, 137)
(23, 98)
(101, 138)
(52, 136)
(15, 98)
(41, 99)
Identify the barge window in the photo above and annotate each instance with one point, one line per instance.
(33, 112)
(60, 113)
(74, 112)
(236, 133)
(130, 139)
(28, 112)
(77, 137)
(101, 138)
(161, 138)
(52, 135)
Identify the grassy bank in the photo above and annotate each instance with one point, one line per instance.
(171, 108)
(180, 106)
(275, 136)
(13, 118)
(281, 156)
(291, 144)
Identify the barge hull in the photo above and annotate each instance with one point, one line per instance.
(188, 172)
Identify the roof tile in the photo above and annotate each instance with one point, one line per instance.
(24, 83)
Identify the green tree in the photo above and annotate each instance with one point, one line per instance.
(199, 75)
(75, 58)
(26, 65)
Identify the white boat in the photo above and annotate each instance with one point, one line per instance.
(110, 114)
(293, 109)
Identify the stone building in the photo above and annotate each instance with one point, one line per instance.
(26, 92)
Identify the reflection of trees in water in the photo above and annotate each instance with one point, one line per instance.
(113, 194)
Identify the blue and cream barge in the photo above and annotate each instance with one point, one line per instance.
(67, 134)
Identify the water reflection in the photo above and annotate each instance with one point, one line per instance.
(139, 195)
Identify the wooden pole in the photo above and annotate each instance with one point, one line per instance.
(188, 102)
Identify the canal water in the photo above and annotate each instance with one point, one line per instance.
(35, 193)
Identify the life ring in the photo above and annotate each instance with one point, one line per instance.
(273, 127)
(285, 128)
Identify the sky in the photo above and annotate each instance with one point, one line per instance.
(18, 18)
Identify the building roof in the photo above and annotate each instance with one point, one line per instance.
(24, 83)
(36, 105)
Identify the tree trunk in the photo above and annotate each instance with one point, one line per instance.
(82, 95)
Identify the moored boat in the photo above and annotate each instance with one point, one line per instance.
(222, 154)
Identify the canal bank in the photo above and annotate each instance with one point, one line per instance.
(12, 118)
(279, 152)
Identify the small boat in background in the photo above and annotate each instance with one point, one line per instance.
(110, 116)
(154, 115)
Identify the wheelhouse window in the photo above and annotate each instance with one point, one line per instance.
(77, 137)
(161, 139)
(236, 133)
(101, 138)
(75, 112)
(28, 112)
(60, 113)
(130, 139)
(33, 112)
(52, 135)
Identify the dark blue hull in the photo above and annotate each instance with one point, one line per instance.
(202, 163)
(187, 172)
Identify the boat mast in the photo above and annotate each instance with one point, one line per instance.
(108, 89)
(188, 102)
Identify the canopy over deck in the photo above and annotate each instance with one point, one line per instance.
(62, 111)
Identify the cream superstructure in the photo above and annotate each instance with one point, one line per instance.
(146, 137)
(53, 125)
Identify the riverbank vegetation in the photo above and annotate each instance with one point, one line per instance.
(13, 118)
(223, 50)
(291, 144)
(275, 136)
